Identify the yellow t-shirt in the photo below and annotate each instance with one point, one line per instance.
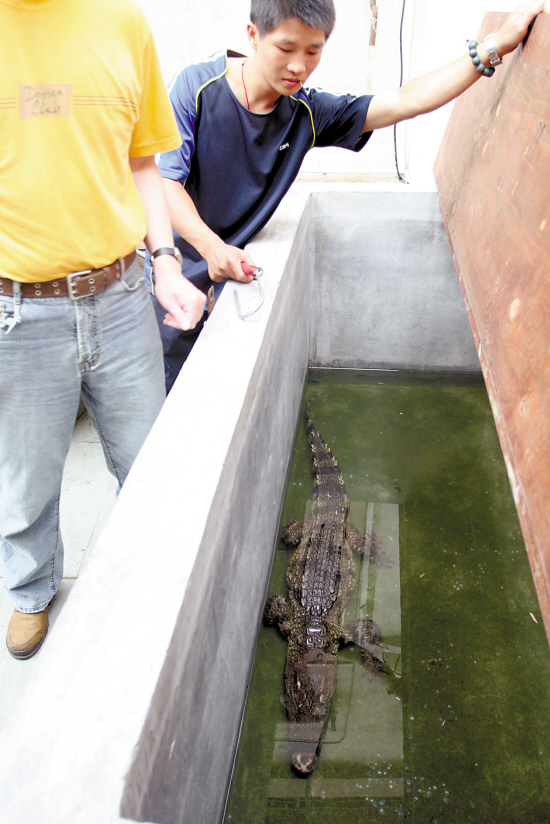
(80, 92)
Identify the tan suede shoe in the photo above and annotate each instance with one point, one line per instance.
(26, 633)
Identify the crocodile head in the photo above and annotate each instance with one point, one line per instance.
(310, 677)
(305, 761)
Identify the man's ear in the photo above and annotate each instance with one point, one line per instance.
(253, 35)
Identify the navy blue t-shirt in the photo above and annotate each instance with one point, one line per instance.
(237, 165)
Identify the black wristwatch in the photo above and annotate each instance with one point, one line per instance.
(168, 250)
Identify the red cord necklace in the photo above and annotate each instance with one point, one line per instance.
(244, 85)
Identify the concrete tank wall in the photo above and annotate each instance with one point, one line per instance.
(384, 291)
(195, 713)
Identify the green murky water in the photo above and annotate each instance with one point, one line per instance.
(461, 732)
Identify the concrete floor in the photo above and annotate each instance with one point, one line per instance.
(87, 497)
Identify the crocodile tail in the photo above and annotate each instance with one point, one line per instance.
(326, 472)
(314, 439)
(313, 436)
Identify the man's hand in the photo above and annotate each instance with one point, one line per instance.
(228, 263)
(515, 28)
(184, 303)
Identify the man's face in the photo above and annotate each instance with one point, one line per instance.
(287, 55)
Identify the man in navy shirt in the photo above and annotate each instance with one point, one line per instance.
(246, 124)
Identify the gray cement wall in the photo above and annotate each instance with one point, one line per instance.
(139, 689)
(191, 731)
(384, 290)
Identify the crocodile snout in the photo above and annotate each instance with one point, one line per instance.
(304, 762)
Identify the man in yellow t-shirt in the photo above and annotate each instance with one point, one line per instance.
(83, 110)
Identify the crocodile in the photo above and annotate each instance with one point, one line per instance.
(320, 578)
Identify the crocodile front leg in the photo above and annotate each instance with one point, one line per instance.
(277, 612)
(366, 634)
(369, 545)
(291, 533)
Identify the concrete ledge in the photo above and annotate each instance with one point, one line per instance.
(202, 687)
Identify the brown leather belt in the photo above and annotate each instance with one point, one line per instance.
(76, 285)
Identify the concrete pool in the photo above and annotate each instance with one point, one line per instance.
(136, 707)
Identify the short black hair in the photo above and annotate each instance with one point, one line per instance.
(317, 14)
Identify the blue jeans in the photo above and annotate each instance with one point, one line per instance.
(105, 347)
(176, 345)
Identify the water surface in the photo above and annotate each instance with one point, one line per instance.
(460, 732)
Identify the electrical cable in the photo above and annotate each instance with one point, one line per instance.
(399, 176)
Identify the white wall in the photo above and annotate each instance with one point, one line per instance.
(434, 34)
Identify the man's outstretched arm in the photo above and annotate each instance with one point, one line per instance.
(184, 303)
(430, 91)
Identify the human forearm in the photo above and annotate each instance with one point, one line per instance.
(183, 301)
(148, 182)
(186, 220)
(224, 261)
(430, 91)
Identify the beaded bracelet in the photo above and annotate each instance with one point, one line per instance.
(480, 67)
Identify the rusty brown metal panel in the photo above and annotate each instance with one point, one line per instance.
(493, 176)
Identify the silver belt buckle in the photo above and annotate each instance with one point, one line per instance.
(71, 286)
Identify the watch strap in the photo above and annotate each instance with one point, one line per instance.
(163, 250)
(490, 45)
